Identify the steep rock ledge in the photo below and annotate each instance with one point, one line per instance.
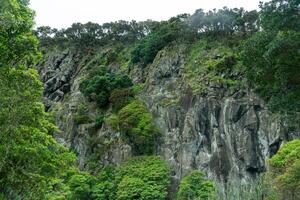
(227, 133)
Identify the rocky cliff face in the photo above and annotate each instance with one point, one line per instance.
(228, 133)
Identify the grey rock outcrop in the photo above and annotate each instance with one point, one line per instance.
(227, 133)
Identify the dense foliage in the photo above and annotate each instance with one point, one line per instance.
(271, 57)
(138, 178)
(27, 148)
(99, 86)
(34, 166)
(225, 22)
(17, 44)
(162, 35)
(284, 171)
(143, 178)
(105, 188)
(30, 159)
(90, 35)
(136, 125)
(195, 186)
(280, 15)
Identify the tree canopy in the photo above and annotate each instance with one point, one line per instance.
(30, 158)
(194, 186)
(272, 58)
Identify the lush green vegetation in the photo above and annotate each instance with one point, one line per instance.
(100, 84)
(195, 186)
(136, 125)
(211, 61)
(18, 46)
(30, 159)
(138, 178)
(90, 36)
(271, 57)
(34, 166)
(143, 178)
(284, 171)
(225, 22)
(162, 35)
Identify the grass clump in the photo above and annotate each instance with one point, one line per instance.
(210, 61)
(81, 115)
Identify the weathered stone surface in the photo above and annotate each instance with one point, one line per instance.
(57, 72)
(229, 134)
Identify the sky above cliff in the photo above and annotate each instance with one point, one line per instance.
(62, 13)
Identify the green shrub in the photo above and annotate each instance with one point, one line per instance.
(146, 50)
(143, 178)
(99, 85)
(105, 187)
(120, 97)
(58, 190)
(80, 184)
(131, 188)
(113, 121)
(136, 126)
(195, 186)
(284, 171)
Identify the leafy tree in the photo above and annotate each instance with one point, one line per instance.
(90, 36)
(280, 15)
(194, 186)
(146, 50)
(81, 186)
(18, 46)
(105, 188)
(45, 35)
(30, 159)
(99, 86)
(271, 57)
(131, 188)
(162, 35)
(143, 178)
(136, 125)
(284, 171)
(225, 22)
(138, 178)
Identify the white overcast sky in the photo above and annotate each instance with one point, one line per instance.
(62, 13)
